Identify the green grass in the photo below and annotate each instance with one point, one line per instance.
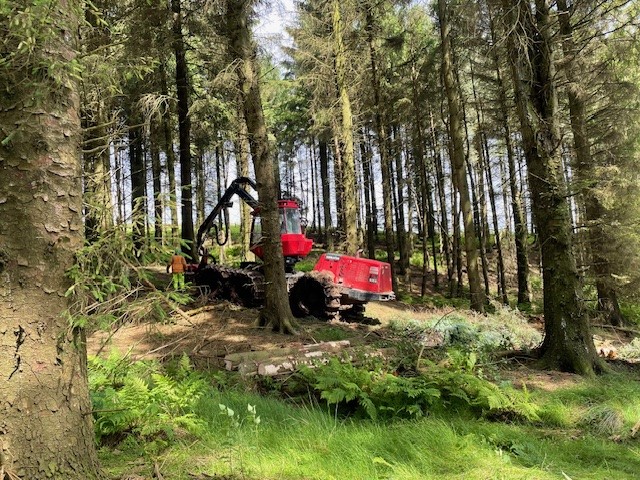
(310, 442)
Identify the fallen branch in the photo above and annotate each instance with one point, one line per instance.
(151, 286)
(156, 471)
(622, 329)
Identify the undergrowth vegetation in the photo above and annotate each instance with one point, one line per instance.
(418, 412)
(365, 421)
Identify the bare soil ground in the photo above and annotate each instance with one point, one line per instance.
(222, 328)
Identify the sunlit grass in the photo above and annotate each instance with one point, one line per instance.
(310, 442)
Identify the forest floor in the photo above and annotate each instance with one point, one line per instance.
(312, 443)
(222, 328)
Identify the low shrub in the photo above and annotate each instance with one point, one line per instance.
(144, 400)
(377, 393)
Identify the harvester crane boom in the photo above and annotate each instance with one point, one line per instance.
(236, 188)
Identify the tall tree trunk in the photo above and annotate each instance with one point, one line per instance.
(45, 412)
(184, 129)
(568, 342)
(484, 161)
(502, 281)
(96, 174)
(138, 180)
(403, 241)
(457, 140)
(445, 239)
(519, 218)
(337, 181)
(323, 152)
(424, 192)
(241, 148)
(346, 135)
(119, 188)
(170, 154)
(479, 216)
(154, 140)
(585, 171)
(365, 153)
(98, 207)
(201, 185)
(370, 185)
(315, 203)
(383, 149)
(276, 312)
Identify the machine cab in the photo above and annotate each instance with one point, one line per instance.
(295, 246)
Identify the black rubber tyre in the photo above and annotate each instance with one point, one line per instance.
(315, 294)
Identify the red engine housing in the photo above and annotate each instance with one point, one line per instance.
(361, 279)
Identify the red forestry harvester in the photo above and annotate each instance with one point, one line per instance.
(338, 284)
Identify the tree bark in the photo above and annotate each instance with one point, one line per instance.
(170, 154)
(184, 129)
(276, 312)
(326, 190)
(46, 429)
(568, 343)
(383, 150)
(460, 176)
(346, 134)
(138, 179)
(519, 219)
(154, 140)
(585, 172)
(241, 147)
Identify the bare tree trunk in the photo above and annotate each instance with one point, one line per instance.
(403, 241)
(119, 188)
(326, 191)
(154, 138)
(338, 182)
(170, 155)
(184, 128)
(365, 153)
(457, 140)
(445, 240)
(138, 179)
(241, 148)
(519, 218)
(568, 342)
(383, 149)
(276, 312)
(45, 412)
(502, 281)
(346, 135)
(594, 210)
(201, 185)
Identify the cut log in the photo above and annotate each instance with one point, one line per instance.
(287, 360)
(248, 361)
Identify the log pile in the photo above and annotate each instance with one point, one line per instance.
(281, 361)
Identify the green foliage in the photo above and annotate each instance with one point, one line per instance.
(602, 420)
(145, 401)
(631, 312)
(236, 420)
(306, 265)
(330, 334)
(504, 329)
(110, 281)
(630, 351)
(377, 393)
(374, 393)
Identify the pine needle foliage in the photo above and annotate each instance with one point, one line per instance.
(110, 284)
